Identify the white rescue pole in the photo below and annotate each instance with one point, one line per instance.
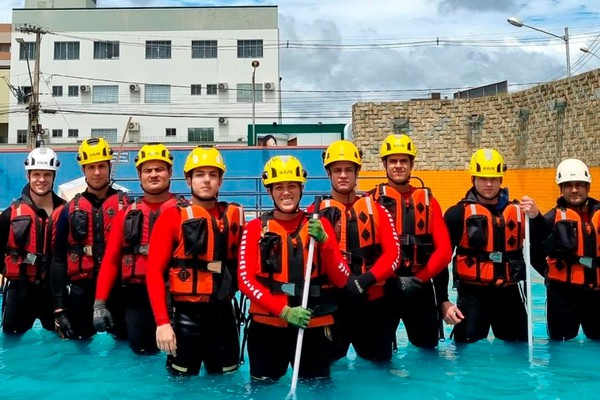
(528, 295)
(305, 291)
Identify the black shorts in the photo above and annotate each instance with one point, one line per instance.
(23, 303)
(206, 333)
(271, 351)
(569, 307)
(420, 315)
(367, 326)
(501, 308)
(80, 307)
(141, 326)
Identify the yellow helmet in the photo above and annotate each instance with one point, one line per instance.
(397, 144)
(153, 151)
(204, 157)
(94, 150)
(283, 169)
(342, 150)
(487, 163)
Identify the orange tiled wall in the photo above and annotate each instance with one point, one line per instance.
(448, 187)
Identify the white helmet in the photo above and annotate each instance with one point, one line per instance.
(42, 158)
(572, 170)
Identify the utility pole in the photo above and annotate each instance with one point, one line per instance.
(34, 129)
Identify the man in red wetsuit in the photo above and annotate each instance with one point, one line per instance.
(368, 240)
(81, 233)
(424, 243)
(127, 250)
(27, 233)
(196, 246)
(273, 258)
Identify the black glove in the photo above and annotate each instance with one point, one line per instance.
(62, 325)
(103, 320)
(357, 285)
(409, 286)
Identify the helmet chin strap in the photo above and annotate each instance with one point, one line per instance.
(100, 188)
(213, 198)
(159, 193)
(405, 182)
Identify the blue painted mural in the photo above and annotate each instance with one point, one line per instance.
(241, 184)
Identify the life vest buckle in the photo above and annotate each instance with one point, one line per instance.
(587, 262)
(496, 256)
(30, 258)
(143, 249)
(87, 250)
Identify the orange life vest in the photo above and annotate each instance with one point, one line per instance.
(30, 242)
(88, 230)
(205, 260)
(576, 257)
(358, 234)
(490, 251)
(282, 258)
(413, 218)
(137, 227)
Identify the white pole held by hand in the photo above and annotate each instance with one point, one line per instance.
(305, 291)
(527, 256)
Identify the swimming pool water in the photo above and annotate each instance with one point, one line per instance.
(38, 365)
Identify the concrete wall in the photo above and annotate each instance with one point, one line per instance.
(534, 128)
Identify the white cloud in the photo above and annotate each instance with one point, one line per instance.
(485, 47)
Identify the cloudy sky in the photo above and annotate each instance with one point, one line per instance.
(349, 50)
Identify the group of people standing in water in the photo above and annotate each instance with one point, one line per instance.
(165, 273)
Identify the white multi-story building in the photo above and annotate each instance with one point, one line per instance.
(168, 74)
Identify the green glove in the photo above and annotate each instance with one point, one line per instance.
(296, 316)
(315, 229)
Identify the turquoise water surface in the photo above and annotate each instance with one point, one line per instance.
(38, 365)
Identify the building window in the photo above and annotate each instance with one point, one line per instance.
(105, 94)
(158, 49)
(73, 133)
(66, 50)
(157, 94)
(244, 92)
(211, 89)
(56, 132)
(57, 91)
(73, 90)
(204, 49)
(201, 134)
(109, 134)
(249, 48)
(196, 89)
(106, 50)
(21, 135)
(27, 51)
(24, 94)
(171, 132)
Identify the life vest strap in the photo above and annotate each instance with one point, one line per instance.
(138, 249)
(493, 256)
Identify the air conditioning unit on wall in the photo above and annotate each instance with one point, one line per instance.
(134, 88)
(84, 89)
(223, 87)
(133, 127)
(269, 86)
(223, 121)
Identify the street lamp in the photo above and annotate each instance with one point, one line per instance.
(255, 65)
(519, 24)
(585, 49)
